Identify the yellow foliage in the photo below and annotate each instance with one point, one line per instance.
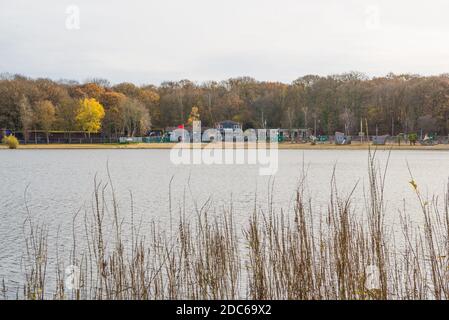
(11, 142)
(194, 115)
(90, 114)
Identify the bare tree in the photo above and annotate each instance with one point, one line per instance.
(135, 117)
(347, 117)
(26, 117)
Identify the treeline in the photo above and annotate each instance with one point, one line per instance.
(393, 104)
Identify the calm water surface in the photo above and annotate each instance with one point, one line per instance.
(55, 184)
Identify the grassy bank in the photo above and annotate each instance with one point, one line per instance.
(302, 254)
(282, 146)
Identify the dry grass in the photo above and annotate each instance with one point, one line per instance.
(302, 254)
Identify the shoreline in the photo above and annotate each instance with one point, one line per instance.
(281, 146)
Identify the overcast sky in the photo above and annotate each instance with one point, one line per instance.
(150, 41)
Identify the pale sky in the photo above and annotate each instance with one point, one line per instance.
(150, 41)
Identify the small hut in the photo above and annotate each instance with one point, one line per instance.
(342, 139)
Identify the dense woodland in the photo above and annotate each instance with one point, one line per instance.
(394, 104)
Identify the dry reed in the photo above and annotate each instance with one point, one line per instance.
(302, 254)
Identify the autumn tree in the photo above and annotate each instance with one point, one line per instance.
(45, 116)
(66, 112)
(92, 90)
(11, 93)
(151, 99)
(393, 103)
(90, 114)
(113, 120)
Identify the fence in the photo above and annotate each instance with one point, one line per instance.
(92, 140)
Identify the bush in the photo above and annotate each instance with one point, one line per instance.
(412, 137)
(11, 142)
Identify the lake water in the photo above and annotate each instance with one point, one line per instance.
(55, 184)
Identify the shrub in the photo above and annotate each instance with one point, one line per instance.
(412, 137)
(11, 142)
